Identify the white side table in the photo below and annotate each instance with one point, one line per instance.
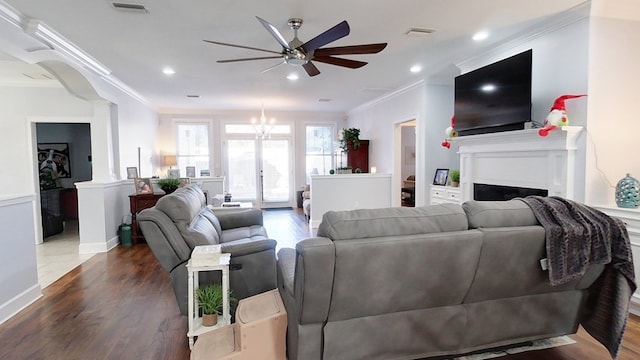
(195, 320)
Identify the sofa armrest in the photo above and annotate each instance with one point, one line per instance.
(247, 246)
(242, 218)
(313, 280)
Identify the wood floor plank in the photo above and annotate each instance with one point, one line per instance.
(120, 305)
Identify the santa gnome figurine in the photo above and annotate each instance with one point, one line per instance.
(558, 115)
(450, 132)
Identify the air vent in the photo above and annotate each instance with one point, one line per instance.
(38, 76)
(130, 7)
(324, 100)
(419, 32)
(193, 96)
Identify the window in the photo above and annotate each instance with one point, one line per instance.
(193, 147)
(319, 149)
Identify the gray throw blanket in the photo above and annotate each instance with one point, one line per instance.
(578, 236)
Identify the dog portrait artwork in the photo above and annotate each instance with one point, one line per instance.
(53, 164)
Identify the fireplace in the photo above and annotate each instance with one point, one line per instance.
(519, 159)
(487, 192)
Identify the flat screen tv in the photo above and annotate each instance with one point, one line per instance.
(494, 98)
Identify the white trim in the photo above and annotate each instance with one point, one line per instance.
(97, 247)
(11, 15)
(19, 302)
(8, 200)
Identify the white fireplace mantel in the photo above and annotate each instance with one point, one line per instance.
(520, 158)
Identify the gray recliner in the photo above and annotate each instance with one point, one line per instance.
(181, 220)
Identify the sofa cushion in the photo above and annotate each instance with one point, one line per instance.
(368, 223)
(491, 214)
(182, 205)
(254, 232)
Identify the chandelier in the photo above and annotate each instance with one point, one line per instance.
(263, 126)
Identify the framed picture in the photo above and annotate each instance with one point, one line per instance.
(132, 172)
(441, 177)
(173, 174)
(184, 182)
(191, 171)
(143, 186)
(53, 159)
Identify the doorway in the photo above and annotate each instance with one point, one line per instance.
(259, 170)
(406, 155)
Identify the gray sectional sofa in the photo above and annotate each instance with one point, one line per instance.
(181, 220)
(408, 283)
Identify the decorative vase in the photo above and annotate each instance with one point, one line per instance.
(209, 319)
(628, 192)
(169, 189)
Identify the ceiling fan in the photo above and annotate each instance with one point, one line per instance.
(298, 53)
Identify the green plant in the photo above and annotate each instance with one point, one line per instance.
(454, 175)
(169, 185)
(350, 135)
(210, 299)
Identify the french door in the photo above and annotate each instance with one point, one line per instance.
(259, 170)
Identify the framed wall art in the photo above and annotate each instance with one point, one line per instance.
(143, 186)
(132, 172)
(440, 178)
(54, 158)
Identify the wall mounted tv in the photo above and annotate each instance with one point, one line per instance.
(494, 98)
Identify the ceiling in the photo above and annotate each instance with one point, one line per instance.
(137, 45)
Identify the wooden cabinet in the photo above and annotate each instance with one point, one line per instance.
(137, 203)
(445, 194)
(359, 158)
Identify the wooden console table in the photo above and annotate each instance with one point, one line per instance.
(137, 203)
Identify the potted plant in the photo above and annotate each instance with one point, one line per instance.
(454, 175)
(209, 299)
(168, 185)
(351, 135)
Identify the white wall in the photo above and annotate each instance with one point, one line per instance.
(378, 121)
(18, 270)
(614, 89)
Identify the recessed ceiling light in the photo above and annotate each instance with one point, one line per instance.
(168, 71)
(416, 69)
(292, 76)
(480, 35)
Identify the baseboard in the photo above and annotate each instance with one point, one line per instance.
(19, 302)
(634, 305)
(98, 247)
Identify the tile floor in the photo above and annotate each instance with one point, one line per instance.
(59, 254)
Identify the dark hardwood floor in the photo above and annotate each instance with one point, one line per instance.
(120, 305)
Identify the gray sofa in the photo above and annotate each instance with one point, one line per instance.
(407, 283)
(181, 220)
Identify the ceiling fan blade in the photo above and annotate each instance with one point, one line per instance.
(274, 66)
(337, 32)
(351, 50)
(353, 64)
(274, 32)
(248, 59)
(241, 46)
(311, 69)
